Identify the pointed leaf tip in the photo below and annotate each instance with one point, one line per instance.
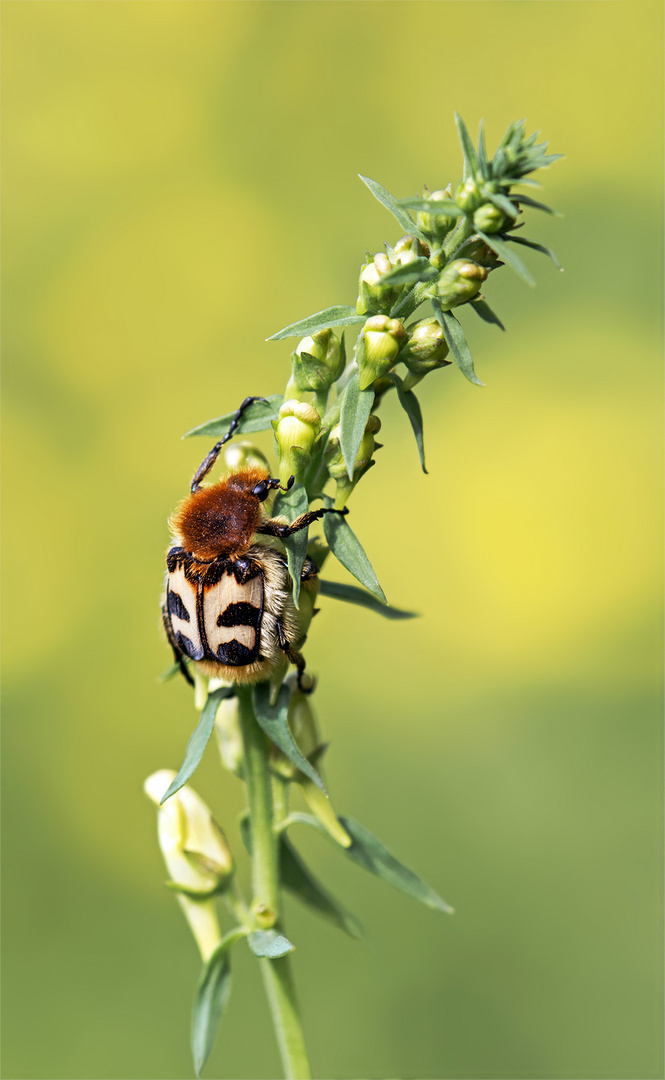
(198, 741)
(346, 547)
(374, 856)
(210, 1000)
(273, 719)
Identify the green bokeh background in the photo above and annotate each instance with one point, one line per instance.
(179, 182)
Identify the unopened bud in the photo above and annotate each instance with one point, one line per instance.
(244, 455)
(458, 282)
(196, 855)
(409, 248)
(382, 340)
(317, 361)
(373, 294)
(364, 459)
(295, 430)
(436, 226)
(489, 219)
(426, 348)
(468, 196)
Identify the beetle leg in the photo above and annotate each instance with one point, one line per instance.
(177, 655)
(210, 459)
(276, 528)
(294, 656)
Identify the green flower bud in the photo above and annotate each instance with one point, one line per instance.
(364, 459)
(458, 282)
(373, 294)
(468, 196)
(436, 226)
(196, 855)
(244, 455)
(295, 430)
(409, 248)
(382, 339)
(426, 348)
(489, 219)
(317, 361)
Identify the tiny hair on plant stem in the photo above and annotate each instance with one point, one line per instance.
(244, 575)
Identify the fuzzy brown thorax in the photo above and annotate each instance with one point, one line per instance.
(219, 521)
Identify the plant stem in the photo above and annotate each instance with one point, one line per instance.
(276, 974)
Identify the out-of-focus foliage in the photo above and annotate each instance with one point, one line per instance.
(157, 158)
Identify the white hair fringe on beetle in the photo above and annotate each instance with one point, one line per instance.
(242, 581)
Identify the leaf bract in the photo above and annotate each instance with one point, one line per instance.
(411, 406)
(393, 206)
(199, 740)
(457, 343)
(355, 412)
(291, 504)
(298, 879)
(341, 315)
(351, 594)
(273, 719)
(372, 855)
(346, 547)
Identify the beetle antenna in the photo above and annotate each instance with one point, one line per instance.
(210, 459)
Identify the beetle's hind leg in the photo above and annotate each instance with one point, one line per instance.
(305, 683)
(210, 459)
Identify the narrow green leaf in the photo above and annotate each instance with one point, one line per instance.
(291, 504)
(371, 854)
(169, 673)
(470, 155)
(346, 547)
(527, 181)
(341, 315)
(257, 417)
(419, 269)
(482, 308)
(411, 406)
(434, 206)
(273, 719)
(351, 594)
(269, 943)
(356, 407)
(482, 152)
(391, 204)
(503, 204)
(212, 994)
(535, 247)
(296, 877)
(534, 204)
(199, 740)
(507, 255)
(457, 343)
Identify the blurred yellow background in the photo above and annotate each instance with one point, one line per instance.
(179, 183)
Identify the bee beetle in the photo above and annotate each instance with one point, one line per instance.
(228, 605)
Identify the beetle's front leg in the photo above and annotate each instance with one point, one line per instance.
(276, 528)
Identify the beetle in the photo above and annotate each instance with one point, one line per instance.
(228, 605)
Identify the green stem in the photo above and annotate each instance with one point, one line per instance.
(277, 976)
